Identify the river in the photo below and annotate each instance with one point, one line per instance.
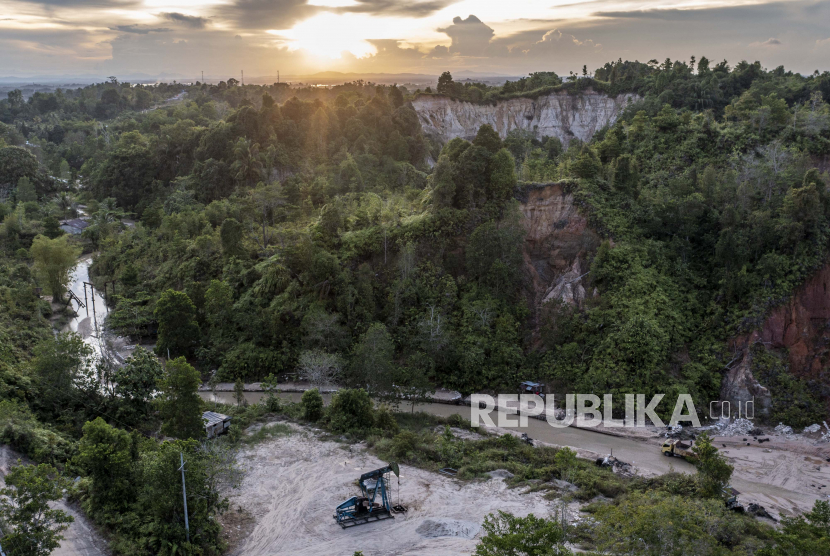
(88, 321)
(636, 452)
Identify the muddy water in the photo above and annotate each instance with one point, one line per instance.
(89, 321)
(637, 452)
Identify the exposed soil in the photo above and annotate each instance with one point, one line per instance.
(294, 483)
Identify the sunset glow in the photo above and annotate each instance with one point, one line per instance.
(419, 36)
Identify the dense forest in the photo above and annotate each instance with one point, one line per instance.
(260, 233)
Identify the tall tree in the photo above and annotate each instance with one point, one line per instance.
(713, 469)
(181, 406)
(488, 139)
(137, 380)
(54, 260)
(107, 454)
(372, 360)
(31, 526)
(178, 330)
(445, 84)
(25, 190)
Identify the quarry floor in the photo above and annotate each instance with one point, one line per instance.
(294, 483)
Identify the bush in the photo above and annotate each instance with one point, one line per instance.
(404, 443)
(385, 421)
(312, 404)
(20, 429)
(506, 534)
(351, 409)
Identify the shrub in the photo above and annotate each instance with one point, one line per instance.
(404, 443)
(385, 421)
(312, 404)
(20, 429)
(351, 409)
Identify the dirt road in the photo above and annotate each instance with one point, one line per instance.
(80, 539)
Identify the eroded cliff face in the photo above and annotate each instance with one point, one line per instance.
(802, 327)
(556, 249)
(556, 115)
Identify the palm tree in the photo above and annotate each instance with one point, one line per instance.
(247, 166)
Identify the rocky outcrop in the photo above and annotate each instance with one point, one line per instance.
(559, 115)
(740, 386)
(557, 247)
(802, 327)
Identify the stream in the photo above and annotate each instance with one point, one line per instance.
(88, 321)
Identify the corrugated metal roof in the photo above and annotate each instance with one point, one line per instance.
(211, 418)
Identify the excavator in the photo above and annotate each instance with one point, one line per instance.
(373, 504)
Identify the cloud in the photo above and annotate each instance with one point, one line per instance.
(189, 21)
(768, 42)
(139, 29)
(823, 42)
(556, 41)
(266, 14)
(470, 37)
(402, 8)
(83, 3)
(392, 48)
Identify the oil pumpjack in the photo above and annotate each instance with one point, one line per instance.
(373, 504)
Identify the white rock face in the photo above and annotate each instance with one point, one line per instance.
(556, 115)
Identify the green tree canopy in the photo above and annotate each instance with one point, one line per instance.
(54, 261)
(508, 535)
(180, 404)
(107, 455)
(31, 527)
(178, 330)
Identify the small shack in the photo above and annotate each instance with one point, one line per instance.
(215, 423)
(74, 226)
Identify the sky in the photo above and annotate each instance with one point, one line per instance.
(183, 38)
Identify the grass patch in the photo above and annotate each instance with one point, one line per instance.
(267, 432)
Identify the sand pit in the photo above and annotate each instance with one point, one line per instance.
(785, 477)
(294, 483)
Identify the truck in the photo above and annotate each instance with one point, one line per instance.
(678, 448)
(529, 387)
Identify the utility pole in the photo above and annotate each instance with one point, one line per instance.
(278, 77)
(184, 495)
(203, 76)
(242, 73)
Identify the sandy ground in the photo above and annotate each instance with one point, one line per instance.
(80, 539)
(294, 483)
(786, 477)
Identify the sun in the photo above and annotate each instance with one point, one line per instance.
(330, 35)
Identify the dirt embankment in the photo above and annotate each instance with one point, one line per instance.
(557, 248)
(802, 327)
